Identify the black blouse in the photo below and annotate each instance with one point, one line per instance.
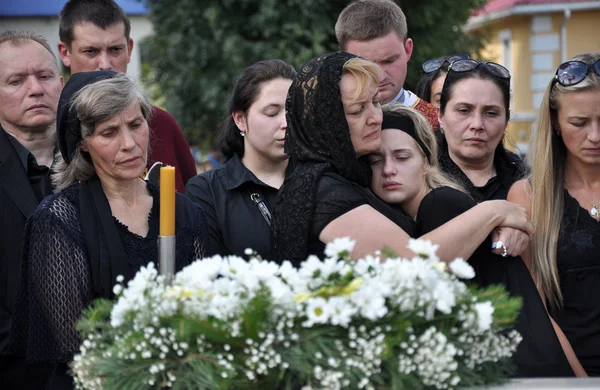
(540, 353)
(509, 169)
(336, 196)
(234, 221)
(579, 272)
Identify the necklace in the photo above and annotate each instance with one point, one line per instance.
(594, 211)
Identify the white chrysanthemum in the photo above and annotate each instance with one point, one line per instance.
(234, 266)
(341, 311)
(339, 245)
(462, 269)
(263, 270)
(484, 312)
(317, 312)
(196, 274)
(370, 302)
(424, 249)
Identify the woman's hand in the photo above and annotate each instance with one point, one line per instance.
(509, 241)
(511, 215)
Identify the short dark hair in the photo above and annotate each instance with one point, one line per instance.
(101, 13)
(245, 92)
(423, 89)
(364, 20)
(481, 73)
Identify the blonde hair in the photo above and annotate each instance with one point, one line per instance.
(435, 177)
(364, 20)
(548, 154)
(365, 72)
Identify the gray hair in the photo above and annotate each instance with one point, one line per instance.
(96, 103)
(20, 38)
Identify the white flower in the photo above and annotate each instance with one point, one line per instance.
(444, 297)
(462, 269)
(423, 248)
(339, 245)
(341, 311)
(484, 312)
(317, 312)
(369, 302)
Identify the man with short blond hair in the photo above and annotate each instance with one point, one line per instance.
(30, 86)
(377, 30)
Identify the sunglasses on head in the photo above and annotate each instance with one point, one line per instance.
(462, 66)
(574, 72)
(432, 65)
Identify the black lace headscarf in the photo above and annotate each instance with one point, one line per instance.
(317, 141)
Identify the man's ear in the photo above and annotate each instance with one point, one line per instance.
(65, 54)
(130, 47)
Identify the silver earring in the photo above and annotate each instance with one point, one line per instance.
(243, 134)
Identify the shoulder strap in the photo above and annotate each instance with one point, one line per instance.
(260, 203)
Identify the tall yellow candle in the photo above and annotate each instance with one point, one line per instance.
(167, 201)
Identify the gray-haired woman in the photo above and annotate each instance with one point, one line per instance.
(102, 223)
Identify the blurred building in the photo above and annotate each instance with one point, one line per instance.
(41, 16)
(531, 38)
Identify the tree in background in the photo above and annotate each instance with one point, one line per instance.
(199, 47)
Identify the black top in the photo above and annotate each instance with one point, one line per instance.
(579, 272)
(234, 220)
(38, 175)
(509, 169)
(56, 280)
(337, 196)
(540, 353)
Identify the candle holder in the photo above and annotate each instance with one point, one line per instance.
(166, 256)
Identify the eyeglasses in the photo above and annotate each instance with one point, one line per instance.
(432, 65)
(574, 72)
(497, 70)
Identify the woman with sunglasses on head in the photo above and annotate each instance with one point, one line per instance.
(474, 114)
(562, 196)
(406, 174)
(239, 196)
(435, 70)
(334, 122)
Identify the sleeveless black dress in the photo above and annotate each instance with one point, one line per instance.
(578, 262)
(540, 353)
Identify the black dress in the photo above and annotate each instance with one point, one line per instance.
(540, 353)
(579, 272)
(56, 280)
(336, 196)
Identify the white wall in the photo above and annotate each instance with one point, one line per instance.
(48, 27)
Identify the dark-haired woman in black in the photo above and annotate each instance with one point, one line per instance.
(238, 196)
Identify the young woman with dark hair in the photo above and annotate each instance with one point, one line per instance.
(238, 196)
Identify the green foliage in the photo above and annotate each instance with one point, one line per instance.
(201, 46)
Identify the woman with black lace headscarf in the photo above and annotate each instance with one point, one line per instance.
(334, 121)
